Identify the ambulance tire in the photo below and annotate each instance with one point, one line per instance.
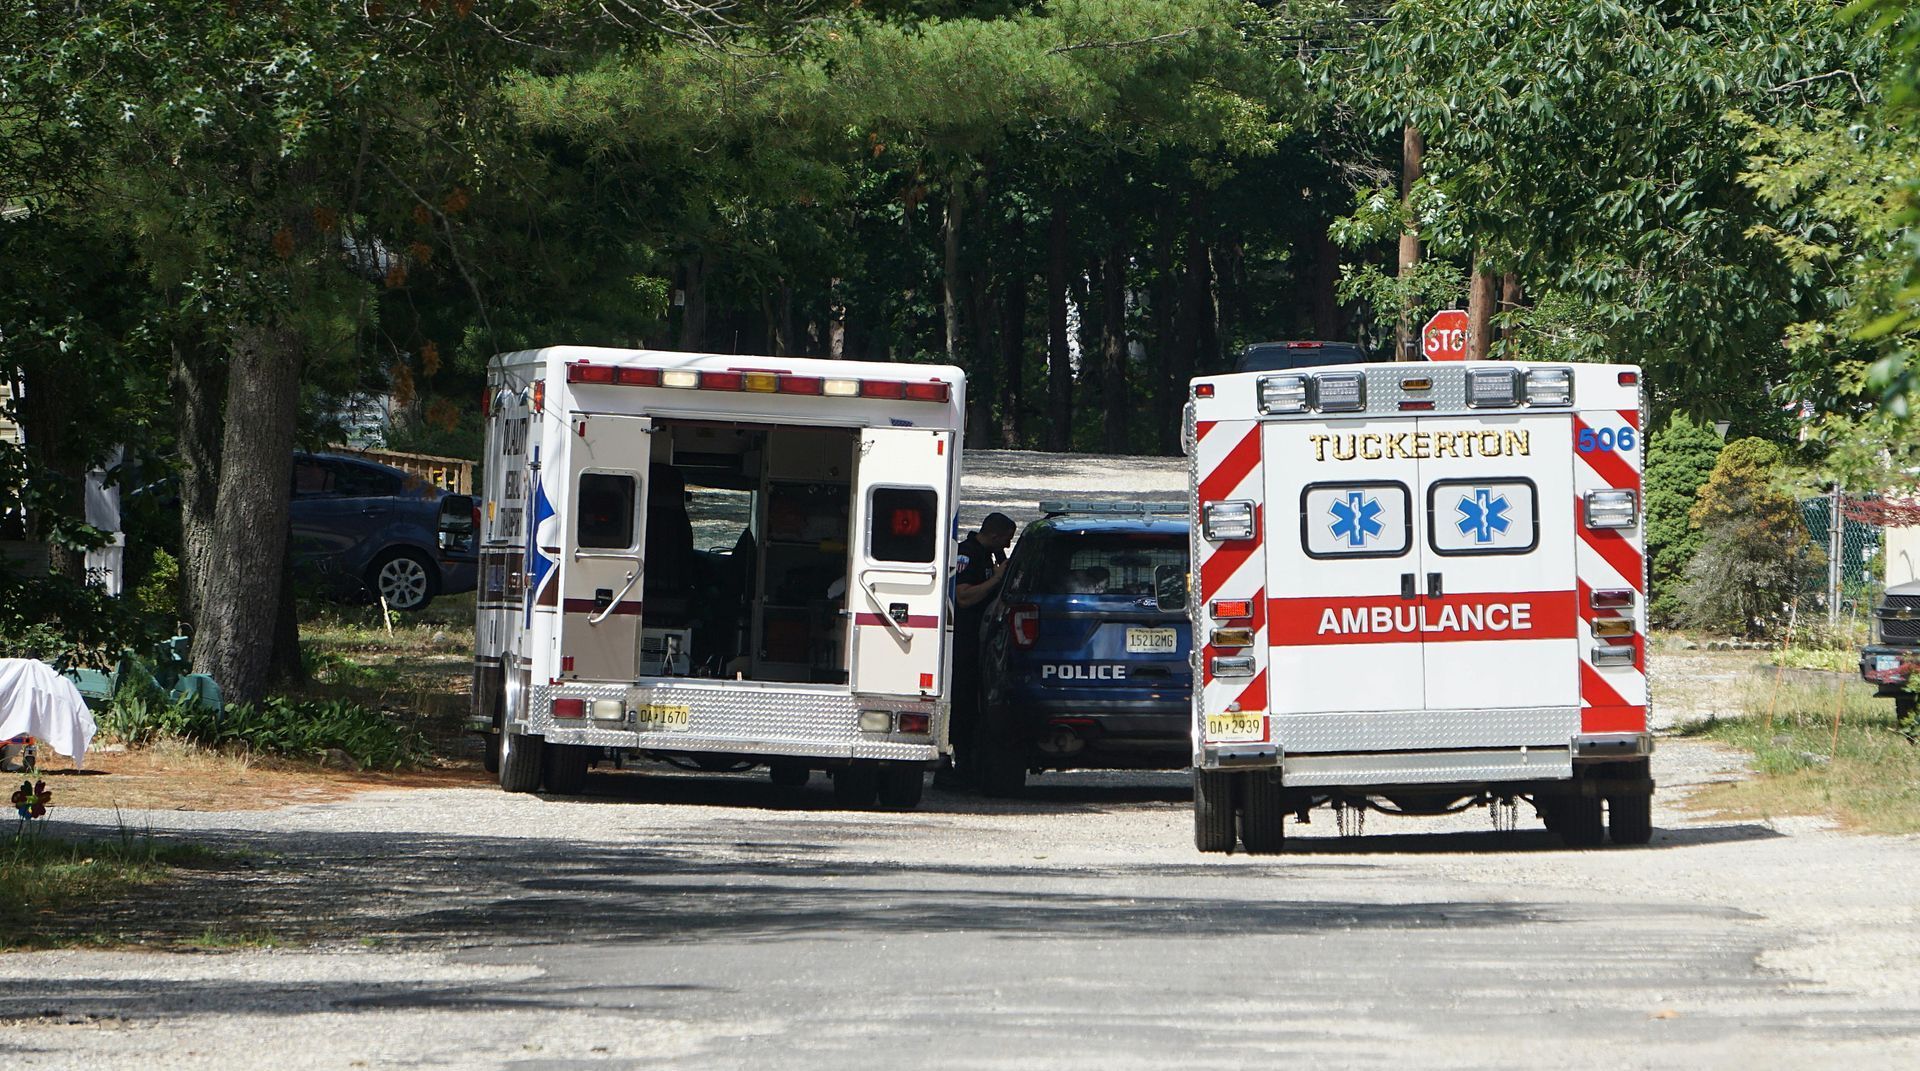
(856, 786)
(1551, 810)
(1213, 811)
(788, 774)
(1630, 818)
(901, 785)
(520, 761)
(566, 767)
(1263, 815)
(497, 714)
(1581, 824)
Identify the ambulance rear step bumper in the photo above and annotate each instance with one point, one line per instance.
(1427, 767)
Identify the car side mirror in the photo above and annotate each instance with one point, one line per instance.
(1170, 587)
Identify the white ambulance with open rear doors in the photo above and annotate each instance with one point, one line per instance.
(719, 561)
(1419, 588)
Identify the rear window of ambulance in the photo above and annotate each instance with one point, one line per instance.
(1105, 563)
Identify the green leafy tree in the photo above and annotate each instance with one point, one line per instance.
(1754, 555)
(1680, 457)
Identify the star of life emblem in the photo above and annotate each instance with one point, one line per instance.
(1483, 515)
(1356, 518)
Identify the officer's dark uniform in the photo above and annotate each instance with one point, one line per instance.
(976, 562)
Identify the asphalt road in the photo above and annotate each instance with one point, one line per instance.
(688, 921)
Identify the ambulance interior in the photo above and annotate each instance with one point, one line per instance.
(747, 564)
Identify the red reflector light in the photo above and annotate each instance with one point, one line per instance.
(926, 392)
(1613, 598)
(1072, 723)
(539, 395)
(722, 381)
(1628, 379)
(801, 384)
(915, 723)
(566, 663)
(1229, 609)
(1421, 405)
(589, 373)
(638, 377)
(1023, 624)
(1203, 390)
(569, 708)
(1303, 345)
(881, 388)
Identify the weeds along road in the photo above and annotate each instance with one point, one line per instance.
(674, 920)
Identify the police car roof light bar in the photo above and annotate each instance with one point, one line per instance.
(1054, 506)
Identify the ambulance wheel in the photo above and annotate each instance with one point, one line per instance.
(901, 785)
(788, 774)
(1550, 808)
(520, 761)
(566, 767)
(1213, 811)
(497, 714)
(1630, 818)
(1580, 822)
(856, 786)
(1262, 815)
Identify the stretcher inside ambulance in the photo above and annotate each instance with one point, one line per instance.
(1420, 589)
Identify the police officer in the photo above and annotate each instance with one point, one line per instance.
(982, 563)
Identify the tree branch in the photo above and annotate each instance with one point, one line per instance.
(1154, 40)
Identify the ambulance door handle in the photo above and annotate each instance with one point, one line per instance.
(1407, 590)
(1433, 585)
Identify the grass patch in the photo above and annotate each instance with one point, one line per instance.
(1865, 775)
(42, 878)
(211, 938)
(1843, 661)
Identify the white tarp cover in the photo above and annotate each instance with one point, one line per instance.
(41, 703)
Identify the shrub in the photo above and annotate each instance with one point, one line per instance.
(1754, 554)
(66, 623)
(297, 728)
(1680, 457)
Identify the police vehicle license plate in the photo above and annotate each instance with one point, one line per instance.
(1886, 661)
(1236, 726)
(1152, 641)
(664, 717)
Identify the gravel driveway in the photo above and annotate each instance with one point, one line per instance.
(673, 920)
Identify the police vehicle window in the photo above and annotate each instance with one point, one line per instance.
(1356, 520)
(1482, 516)
(1106, 563)
(901, 525)
(605, 510)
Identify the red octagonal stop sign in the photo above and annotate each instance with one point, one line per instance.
(1445, 336)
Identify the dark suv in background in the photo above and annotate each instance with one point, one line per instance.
(364, 529)
(1285, 356)
(1084, 654)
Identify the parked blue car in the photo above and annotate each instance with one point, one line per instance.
(363, 529)
(1084, 654)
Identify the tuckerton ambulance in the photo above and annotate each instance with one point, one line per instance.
(1419, 588)
(718, 561)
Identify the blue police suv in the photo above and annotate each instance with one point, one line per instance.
(1084, 653)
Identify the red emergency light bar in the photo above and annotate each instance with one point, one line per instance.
(759, 381)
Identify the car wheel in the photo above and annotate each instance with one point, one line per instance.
(406, 579)
(901, 785)
(1263, 816)
(566, 766)
(1213, 811)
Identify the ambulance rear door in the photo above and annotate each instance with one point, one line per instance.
(1344, 566)
(1497, 581)
(900, 559)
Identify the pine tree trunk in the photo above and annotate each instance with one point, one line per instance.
(238, 595)
(1116, 393)
(1323, 284)
(1013, 330)
(693, 315)
(198, 381)
(1163, 301)
(950, 268)
(1510, 298)
(1480, 300)
(983, 377)
(1203, 307)
(284, 667)
(1412, 149)
(1059, 357)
